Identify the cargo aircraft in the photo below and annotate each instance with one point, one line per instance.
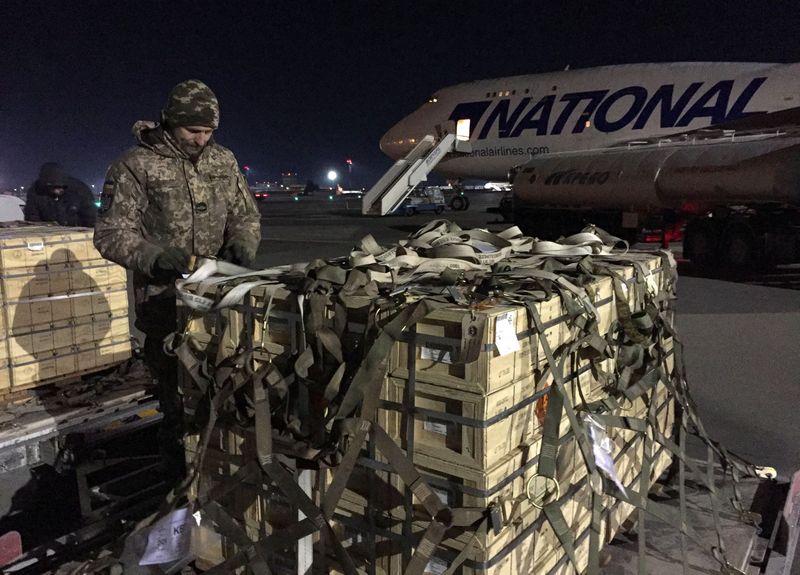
(619, 144)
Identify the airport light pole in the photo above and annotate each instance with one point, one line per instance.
(332, 175)
(349, 173)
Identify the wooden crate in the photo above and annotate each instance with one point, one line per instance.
(60, 278)
(483, 428)
(438, 343)
(277, 327)
(38, 246)
(469, 442)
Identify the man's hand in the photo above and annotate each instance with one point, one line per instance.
(170, 263)
(237, 254)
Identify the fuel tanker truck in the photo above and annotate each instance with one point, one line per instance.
(735, 196)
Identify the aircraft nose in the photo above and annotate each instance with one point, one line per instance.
(402, 137)
(393, 143)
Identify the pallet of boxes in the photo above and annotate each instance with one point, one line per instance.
(64, 308)
(466, 402)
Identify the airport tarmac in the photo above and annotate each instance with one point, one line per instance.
(742, 350)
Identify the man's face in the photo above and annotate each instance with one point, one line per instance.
(192, 139)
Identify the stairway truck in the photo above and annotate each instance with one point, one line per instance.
(738, 197)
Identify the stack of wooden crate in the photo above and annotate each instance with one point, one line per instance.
(65, 308)
(473, 431)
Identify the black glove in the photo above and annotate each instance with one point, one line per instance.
(237, 254)
(170, 263)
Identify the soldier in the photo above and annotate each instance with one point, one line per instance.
(58, 197)
(176, 194)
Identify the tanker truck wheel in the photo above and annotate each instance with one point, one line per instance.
(701, 243)
(739, 247)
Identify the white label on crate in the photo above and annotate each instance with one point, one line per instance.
(443, 495)
(435, 427)
(437, 355)
(169, 539)
(436, 566)
(505, 336)
(36, 246)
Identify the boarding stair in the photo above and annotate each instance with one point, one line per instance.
(407, 173)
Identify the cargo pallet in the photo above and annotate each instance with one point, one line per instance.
(489, 509)
(67, 426)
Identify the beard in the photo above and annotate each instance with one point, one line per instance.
(191, 150)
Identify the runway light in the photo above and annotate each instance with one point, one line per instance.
(296, 199)
(330, 197)
(332, 175)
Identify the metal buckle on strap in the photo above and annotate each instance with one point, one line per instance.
(538, 499)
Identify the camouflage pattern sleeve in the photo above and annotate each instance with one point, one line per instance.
(118, 230)
(244, 219)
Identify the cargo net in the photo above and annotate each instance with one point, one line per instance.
(467, 402)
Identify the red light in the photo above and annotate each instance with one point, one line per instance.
(349, 162)
(246, 168)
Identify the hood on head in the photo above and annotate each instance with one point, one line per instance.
(52, 175)
(152, 136)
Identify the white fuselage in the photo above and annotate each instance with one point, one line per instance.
(515, 119)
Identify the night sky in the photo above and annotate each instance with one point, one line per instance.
(305, 85)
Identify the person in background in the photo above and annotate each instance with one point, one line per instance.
(58, 197)
(175, 195)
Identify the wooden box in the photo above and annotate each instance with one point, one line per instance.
(277, 327)
(474, 430)
(482, 429)
(438, 349)
(31, 247)
(438, 342)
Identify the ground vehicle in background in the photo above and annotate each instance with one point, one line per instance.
(735, 196)
(421, 201)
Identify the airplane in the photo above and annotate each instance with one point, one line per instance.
(516, 118)
(615, 145)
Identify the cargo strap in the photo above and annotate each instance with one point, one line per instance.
(399, 288)
(549, 453)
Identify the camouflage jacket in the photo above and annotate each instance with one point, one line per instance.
(154, 196)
